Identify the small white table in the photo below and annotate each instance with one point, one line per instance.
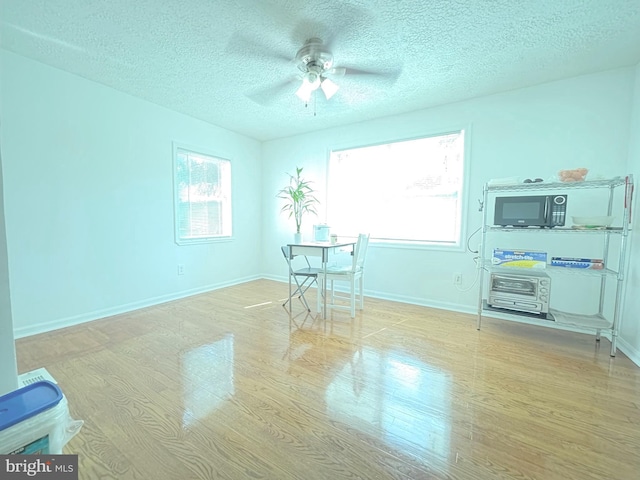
(322, 250)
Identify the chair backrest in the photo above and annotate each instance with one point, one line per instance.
(360, 251)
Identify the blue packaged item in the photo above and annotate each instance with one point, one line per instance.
(518, 258)
(35, 420)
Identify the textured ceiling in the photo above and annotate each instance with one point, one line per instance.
(211, 58)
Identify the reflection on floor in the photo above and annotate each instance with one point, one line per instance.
(209, 364)
(395, 397)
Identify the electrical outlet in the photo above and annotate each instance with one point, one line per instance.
(457, 279)
(180, 269)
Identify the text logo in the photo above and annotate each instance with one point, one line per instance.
(51, 467)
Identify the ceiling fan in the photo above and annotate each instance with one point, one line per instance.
(314, 61)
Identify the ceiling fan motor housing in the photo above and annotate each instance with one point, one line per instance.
(313, 57)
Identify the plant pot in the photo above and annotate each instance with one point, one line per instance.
(297, 238)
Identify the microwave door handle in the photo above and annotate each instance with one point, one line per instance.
(546, 210)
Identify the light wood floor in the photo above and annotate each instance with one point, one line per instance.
(223, 385)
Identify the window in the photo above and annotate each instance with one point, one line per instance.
(407, 191)
(203, 197)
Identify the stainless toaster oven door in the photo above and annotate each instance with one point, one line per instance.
(511, 285)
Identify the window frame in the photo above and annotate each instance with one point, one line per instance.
(460, 244)
(176, 148)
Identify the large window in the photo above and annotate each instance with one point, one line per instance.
(202, 196)
(408, 191)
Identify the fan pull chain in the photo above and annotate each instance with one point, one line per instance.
(315, 104)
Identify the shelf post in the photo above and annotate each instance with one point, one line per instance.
(481, 253)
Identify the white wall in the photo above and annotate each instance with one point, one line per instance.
(89, 200)
(630, 328)
(532, 132)
(8, 370)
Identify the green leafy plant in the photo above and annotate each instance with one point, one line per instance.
(299, 198)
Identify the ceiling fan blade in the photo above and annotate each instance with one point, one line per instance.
(242, 45)
(269, 95)
(336, 71)
(388, 76)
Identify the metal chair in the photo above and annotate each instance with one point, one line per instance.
(350, 273)
(308, 275)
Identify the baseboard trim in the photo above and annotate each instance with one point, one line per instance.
(453, 307)
(632, 353)
(129, 307)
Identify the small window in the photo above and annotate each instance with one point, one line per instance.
(403, 192)
(202, 186)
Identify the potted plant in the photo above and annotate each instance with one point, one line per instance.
(299, 199)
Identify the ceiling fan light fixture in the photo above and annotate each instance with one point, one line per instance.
(310, 82)
(329, 88)
(305, 90)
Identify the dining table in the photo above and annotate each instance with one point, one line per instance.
(323, 250)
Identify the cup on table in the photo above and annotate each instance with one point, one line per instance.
(334, 239)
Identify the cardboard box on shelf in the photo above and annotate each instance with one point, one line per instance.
(519, 258)
(571, 262)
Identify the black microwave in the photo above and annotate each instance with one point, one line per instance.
(531, 211)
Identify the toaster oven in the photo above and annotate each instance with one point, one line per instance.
(523, 292)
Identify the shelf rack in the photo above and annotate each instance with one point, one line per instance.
(597, 321)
